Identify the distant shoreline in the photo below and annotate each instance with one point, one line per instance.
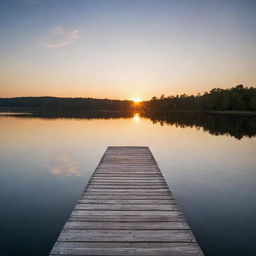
(230, 112)
(234, 112)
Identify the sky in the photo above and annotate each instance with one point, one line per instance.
(125, 49)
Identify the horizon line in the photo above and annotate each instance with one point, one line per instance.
(103, 98)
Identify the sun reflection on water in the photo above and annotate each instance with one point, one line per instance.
(136, 117)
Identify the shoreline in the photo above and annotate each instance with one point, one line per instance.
(231, 112)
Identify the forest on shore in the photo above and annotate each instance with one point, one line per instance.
(238, 98)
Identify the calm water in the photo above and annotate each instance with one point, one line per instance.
(46, 162)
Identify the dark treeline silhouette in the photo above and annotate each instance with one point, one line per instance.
(237, 126)
(67, 103)
(77, 113)
(237, 98)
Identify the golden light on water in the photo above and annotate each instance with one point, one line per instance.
(136, 117)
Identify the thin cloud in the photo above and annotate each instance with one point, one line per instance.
(59, 37)
(75, 33)
(57, 44)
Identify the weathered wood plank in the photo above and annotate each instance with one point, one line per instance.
(128, 192)
(118, 183)
(122, 245)
(125, 225)
(124, 249)
(127, 186)
(127, 201)
(118, 172)
(175, 216)
(123, 174)
(127, 179)
(143, 182)
(92, 196)
(120, 213)
(126, 209)
(127, 236)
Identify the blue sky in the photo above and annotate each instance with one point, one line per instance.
(125, 48)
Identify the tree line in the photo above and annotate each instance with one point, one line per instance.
(238, 98)
(62, 104)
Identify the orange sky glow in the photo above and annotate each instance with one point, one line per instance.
(125, 49)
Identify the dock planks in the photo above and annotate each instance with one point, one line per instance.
(126, 209)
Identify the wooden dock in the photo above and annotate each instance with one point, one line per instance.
(126, 209)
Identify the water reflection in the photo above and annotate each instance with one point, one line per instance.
(136, 117)
(63, 165)
(46, 161)
(235, 125)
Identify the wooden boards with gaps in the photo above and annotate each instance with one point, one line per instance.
(126, 209)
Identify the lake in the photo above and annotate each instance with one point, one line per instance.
(208, 160)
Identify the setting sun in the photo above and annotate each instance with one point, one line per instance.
(137, 100)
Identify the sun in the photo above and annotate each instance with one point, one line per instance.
(137, 100)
